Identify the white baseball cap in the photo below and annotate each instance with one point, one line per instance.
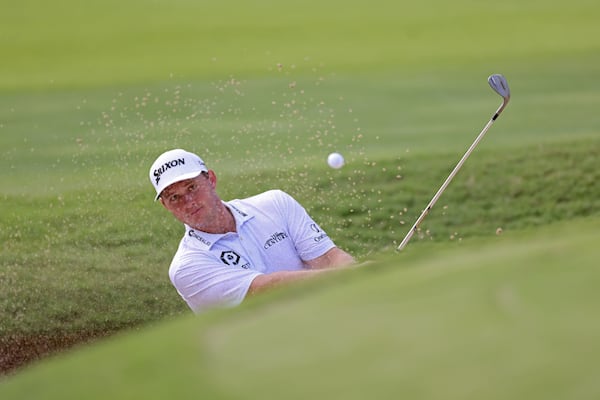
(173, 166)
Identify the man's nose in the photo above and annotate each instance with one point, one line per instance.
(188, 197)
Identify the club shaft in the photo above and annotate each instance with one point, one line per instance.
(449, 178)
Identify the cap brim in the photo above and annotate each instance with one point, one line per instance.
(180, 178)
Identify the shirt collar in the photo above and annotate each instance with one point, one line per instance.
(206, 240)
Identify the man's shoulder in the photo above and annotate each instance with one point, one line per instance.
(267, 198)
(267, 195)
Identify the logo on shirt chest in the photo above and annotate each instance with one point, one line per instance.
(232, 258)
(275, 238)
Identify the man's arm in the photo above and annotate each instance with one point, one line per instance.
(266, 282)
(332, 260)
(335, 257)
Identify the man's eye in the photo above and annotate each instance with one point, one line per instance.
(174, 198)
(191, 188)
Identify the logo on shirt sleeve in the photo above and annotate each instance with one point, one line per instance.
(320, 234)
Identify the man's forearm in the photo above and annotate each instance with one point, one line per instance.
(330, 261)
(269, 281)
(335, 257)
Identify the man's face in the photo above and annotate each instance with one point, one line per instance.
(195, 202)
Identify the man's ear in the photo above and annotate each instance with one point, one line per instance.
(212, 178)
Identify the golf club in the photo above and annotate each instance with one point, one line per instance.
(500, 86)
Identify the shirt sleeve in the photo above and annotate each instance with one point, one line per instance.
(206, 283)
(310, 240)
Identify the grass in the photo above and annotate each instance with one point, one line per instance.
(497, 318)
(146, 41)
(121, 281)
(90, 96)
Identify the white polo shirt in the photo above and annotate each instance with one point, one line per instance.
(274, 233)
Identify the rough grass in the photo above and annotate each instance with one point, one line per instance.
(114, 276)
(507, 317)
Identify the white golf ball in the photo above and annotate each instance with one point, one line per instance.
(335, 160)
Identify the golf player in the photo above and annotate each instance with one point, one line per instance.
(234, 249)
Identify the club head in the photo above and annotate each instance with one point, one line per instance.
(500, 86)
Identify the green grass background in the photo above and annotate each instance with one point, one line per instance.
(509, 319)
(91, 93)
